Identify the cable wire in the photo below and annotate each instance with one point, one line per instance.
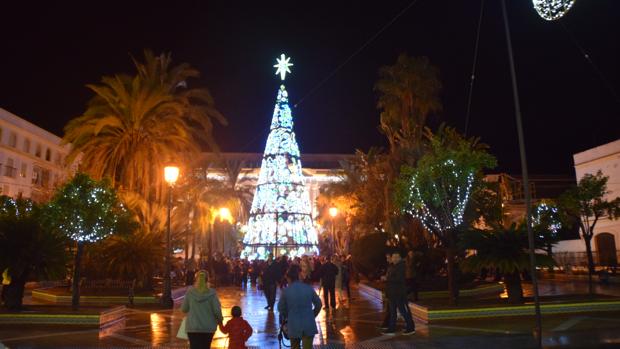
(355, 53)
(587, 57)
(473, 68)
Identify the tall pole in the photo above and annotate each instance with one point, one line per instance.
(526, 185)
(166, 297)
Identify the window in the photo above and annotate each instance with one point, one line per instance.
(36, 175)
(38, 151)
(13, 140)
(24, 170)
(0, 134)
(26, 145)
(5, 190)
(48, 155)
(9, 170)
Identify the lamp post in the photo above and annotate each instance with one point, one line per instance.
(333, 212)
(171, 174)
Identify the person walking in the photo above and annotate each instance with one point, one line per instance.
(339, 278)
(396, 292)
(238, 329)
(204, 313)
(329, 271)
(298, 307)
(270, 281)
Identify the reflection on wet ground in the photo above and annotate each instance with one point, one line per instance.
(353, 325)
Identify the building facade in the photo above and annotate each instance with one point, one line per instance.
(31, 159)
(604, 158)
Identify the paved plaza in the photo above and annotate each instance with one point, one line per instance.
(353, 326)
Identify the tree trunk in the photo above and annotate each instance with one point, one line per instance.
(452, 286)
(75, 286)
(14, 292)
(588, 240)
(513, 287)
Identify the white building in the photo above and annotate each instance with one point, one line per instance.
(31, 159)
(605, 158)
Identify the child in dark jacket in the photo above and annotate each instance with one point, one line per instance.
(238, 330)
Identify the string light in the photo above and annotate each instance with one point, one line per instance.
(547, 214)
(281, 211)
(552, 9)
(432, 213)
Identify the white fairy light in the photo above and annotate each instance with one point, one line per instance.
(442, 219)
(281, 213)
(552, 9)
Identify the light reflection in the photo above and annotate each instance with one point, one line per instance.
(158, 328)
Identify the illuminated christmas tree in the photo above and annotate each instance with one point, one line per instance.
(281, 214)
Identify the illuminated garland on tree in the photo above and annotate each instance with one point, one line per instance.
(546, 218)
(552, 9)
(85, 210)
(280, 217)
(450, 195)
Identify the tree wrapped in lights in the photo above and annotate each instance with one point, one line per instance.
(86, 211)
(438, 189)
(546, 222)
(281, 215)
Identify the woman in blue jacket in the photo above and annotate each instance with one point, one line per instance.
(298, 306)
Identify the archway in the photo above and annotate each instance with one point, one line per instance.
(606, 247)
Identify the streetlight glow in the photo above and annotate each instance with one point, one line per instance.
(171, 174)
(225, 214)
(333, 211)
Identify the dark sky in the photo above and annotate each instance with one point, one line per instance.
(50, 50)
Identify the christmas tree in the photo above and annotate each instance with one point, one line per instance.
(281, 214)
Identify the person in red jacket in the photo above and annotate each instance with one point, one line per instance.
(238, 330)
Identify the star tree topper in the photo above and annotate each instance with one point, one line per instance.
(283, 64)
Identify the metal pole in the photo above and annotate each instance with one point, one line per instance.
(166, 297)
(526, 185)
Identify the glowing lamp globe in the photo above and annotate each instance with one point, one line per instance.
(552, 9)
(225, 215)
(333, 211)
(171, 174)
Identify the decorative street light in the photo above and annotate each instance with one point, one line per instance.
(171, 174)
(333, 212)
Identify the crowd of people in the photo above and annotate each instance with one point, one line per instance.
(298, 303)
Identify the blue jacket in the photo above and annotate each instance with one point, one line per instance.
(299, 304)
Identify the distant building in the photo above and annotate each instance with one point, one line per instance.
(605, 158)
(318, 169)
(31, 159)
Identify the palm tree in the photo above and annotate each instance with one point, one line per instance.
(133, 256)
(408, 93)
(505, 250)
(135, 124)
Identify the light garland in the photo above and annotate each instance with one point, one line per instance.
(281, 214)
(547, 214)
(437, 218)
(552, 9)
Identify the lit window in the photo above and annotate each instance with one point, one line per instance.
(24, 170)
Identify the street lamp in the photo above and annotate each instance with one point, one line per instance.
(171, 174)
(333, 212)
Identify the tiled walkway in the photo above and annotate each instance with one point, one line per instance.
(352, 326)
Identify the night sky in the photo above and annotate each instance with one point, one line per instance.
(50, 50)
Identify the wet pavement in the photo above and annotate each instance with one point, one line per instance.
(353, 326)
